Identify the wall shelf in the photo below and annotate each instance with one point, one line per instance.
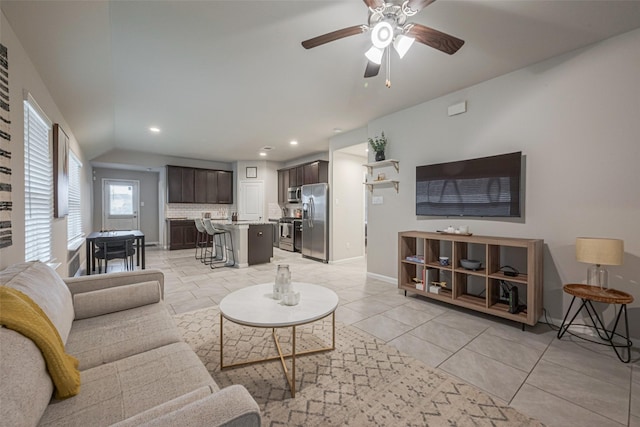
(381, 163)
(372, 184)
(382, 182)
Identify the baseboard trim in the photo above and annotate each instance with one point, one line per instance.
(387, 279)
(341, 261)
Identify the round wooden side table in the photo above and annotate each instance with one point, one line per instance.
(588, 294)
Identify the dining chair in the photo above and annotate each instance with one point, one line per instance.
(110, 248)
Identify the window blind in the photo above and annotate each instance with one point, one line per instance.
(38, 183)
(74, 219)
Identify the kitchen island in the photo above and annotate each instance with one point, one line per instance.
(252, 240)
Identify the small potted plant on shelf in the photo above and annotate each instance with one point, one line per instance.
(378, 144)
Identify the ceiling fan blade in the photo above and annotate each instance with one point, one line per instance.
(334, 35)
(374, 4)
(435, 39)
(371, 70)
(418, 5)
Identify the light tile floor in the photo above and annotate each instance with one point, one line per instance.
(559, 382)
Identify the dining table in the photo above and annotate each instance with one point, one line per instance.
(90, 246)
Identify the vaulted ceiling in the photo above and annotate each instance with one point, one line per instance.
(222, 79)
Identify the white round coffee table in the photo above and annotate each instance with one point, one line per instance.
(254, 306)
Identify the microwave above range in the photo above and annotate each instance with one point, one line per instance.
(294, 194)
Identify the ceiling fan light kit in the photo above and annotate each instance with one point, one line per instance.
(387, 23)
(374, 55)
(402, 44)
(382, 34)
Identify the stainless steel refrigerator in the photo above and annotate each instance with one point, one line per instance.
(315, 222)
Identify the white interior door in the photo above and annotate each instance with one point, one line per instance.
(251, 201)
(120, 204)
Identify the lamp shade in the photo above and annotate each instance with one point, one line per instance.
(374, 55)
(382, 34)
(402, 44)
(593, 250)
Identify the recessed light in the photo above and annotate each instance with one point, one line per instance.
(154, 129)
(337, 130)
(294, 142)
(263, 154)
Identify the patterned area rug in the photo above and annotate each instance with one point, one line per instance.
(362, 382)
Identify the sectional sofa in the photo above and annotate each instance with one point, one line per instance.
(134, 367)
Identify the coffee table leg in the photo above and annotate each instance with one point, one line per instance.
(289, 376)
(221, 343)
(333, 330)
(293, 364)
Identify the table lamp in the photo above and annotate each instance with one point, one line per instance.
(600, 252)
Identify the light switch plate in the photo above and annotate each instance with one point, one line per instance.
(377, 200)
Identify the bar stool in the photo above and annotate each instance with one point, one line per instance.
(214, 252)
(202, 239)
(219, 250)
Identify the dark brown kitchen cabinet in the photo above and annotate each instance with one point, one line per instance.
(293, 177)
(182, 234)
(188, 186)
(260, 243)
(200, 184)
(193, 185)
(300, 176)
(225, 187)
(308, 173)
(212, 186)
(316, 172)
(174, 184)
(180, 184)
(283, 185)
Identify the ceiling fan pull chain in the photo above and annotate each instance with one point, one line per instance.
(387, 82)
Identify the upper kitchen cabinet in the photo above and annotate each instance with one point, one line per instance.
(283, 185)
(296, 176)
(180, 184)
(201, 182)
(308, 173)
(316, 172)
(225, 187)
(193, 185)
(211, 183)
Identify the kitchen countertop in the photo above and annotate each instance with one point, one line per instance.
(192, 219)
(230, 223)
(225, 221)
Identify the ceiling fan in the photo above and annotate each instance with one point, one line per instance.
(388, 25)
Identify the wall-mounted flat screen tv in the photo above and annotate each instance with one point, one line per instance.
(484, 187)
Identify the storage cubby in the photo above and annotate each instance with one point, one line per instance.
(479, 289)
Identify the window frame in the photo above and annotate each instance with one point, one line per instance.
(38, 182)
(74, 218)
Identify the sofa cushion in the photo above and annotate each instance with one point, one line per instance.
(119, 390)
(43, 285)
(26, 384)
(110, 300)
(166, 408)
(103, 339)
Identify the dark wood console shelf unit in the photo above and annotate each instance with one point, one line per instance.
(480, 289)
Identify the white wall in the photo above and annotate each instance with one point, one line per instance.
(24, 77)
(149, 205)
(347, 213)
(576, 118)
